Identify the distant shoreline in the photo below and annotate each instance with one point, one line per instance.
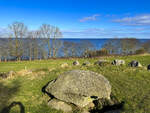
(86, 38)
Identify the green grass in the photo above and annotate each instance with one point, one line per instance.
(131, 85)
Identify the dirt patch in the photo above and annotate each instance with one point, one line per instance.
(24, 72)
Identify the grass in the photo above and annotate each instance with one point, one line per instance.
(131, 85)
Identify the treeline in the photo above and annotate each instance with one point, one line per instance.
(36, 49)
(124, 46)
(25, 44)
(44, 43)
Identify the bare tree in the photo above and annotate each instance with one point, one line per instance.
(46, 32)
(51, 33)
(4, 49)
(85, 47)
(146, 46)
(56, 43)
(112, 46)
(129, 45)
(65, 48)
(33, 44)
(18, 31)
(123, 46)
(69, 49)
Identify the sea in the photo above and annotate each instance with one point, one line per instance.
(96, 42)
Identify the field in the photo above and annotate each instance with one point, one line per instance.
(131, 85)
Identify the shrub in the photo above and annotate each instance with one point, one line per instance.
(102, 52)
(140, 51)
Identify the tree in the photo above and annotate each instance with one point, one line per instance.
(129, 45)
(113, 46)
(33, 44)
(46, 32)
(4, 52)
(85, 47)
(123, 46)
(65, 49)
(140, 51)
(77, 49)
(18, 31)
(51, 33)
(69, 49)
(56, 43)
(146, 46)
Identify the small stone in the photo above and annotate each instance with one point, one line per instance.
(64, 65)
(3, 75)
(135, 64)
(11, 73)
(60, 105)
(8, 74)
(76, 63)
(85, 111)
(86, 63)
(91, 105)
(101, 62)
(118, 62)
(148, 67)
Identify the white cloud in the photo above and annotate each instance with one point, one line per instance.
(90, 18)
(137, 32)
(139, 20)
(3, 32)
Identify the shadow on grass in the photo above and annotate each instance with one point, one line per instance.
(105, 106)
(112, 109)
(44, 89)
(8, 108)
(7, 92)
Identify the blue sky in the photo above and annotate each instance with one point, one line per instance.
(81, 18)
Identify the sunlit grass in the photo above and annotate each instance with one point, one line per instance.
(131, 85)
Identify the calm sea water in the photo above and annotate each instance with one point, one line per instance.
(96, 42)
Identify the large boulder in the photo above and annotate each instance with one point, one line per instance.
(135, 64)
(79, 87)
(118, 62)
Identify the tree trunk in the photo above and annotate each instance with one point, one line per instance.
(49, 49)
(30, 56)
(37, 55)
(5, 59)
(19, 58)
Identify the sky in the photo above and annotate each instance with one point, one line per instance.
(81, 18)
